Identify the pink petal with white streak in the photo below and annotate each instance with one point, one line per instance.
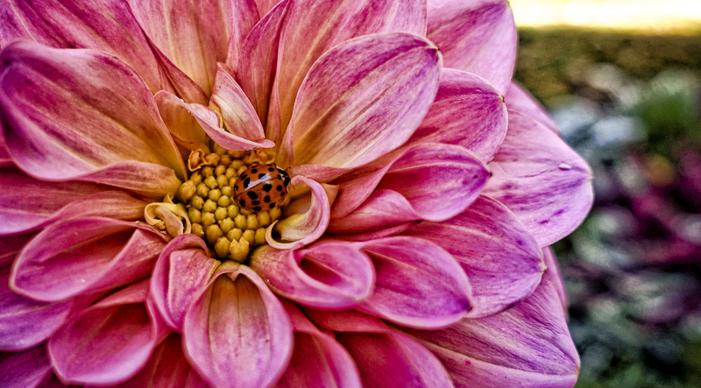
(80, 114)
(362, 99)
(498, 254)
(540, 178)
(467, 111)
(73, 256)
(478, 36)
(181, 274)
(237, 332)
(108, 342)
(327, 274)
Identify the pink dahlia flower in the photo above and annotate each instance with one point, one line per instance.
(243, 193)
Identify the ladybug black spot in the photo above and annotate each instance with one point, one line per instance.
(266, 199)
(252, 195)
(278, 188)
(257, 208)
(246, 181)
(267, 187)
(254, 170)
(242, 202)
(271, 169)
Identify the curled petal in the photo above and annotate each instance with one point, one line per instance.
(362, 99)
(26, 369)
(168, 216)
(181, 273)
(301, 229)
(418, 283)
(255, 69)
(499, 256)
(194, 35)
(108, 342)
(106, 25)
(239, 116)
(467, 111)
(25, 322)
(73, 256)
(237, 332)
(385, 357)
(323, 275)
(527, 345)
(80, 114)
(312, 349)
(208, 122)
(427, 181)
(325, 24)
(167, 368)
(183, 125)
(478, 36)
(540, 178)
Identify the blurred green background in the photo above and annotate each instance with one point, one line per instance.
(628, 99)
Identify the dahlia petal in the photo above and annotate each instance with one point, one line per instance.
(106, 25)
(478, 36)
(26, 369)
(301, 229)
(555, 275)
(257, 62)
(362, 99)
(182, 123)
(167, 368)
(264, 6)
(498, 254)
(80, 114)
(239, 116)
(528, 345)
(467, 111)
(313, 349)
(194, 35)
(327, 274)
(418, 283)
(184, 114)
(181, 274)
(519, 99)
(73, 256)
(5, 159)
(25, 322)
(237, 332)
(325, 24)
(32, 204)
(540, 178)
(385, 209)
(385, 357)
(245, 15)
(108, 342)
(437, 181)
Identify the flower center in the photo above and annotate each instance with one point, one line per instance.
(231, 198)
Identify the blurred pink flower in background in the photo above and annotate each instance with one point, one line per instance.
(412, 249)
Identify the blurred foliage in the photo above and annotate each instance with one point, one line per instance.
(631, 105)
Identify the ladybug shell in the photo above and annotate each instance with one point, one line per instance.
(261, 187)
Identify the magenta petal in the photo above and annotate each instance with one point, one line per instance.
(237, 332)
(106, 25)
(527, 345)
(540, 178)
(427, 181)
(499, 256)
(555, 276)
(362, 99)
(80, 114)
(27, 369)
(10, 246)
(167, 368)
(327, 274)
(385, 357)
(478, 36)
(467, 111)
(519, 99)
(324, 24)
(257, 62)
(318, 360)
(25, 322)
(181, 274)
(71, 257)
(5, 159)
(108, 342)
(418, 283)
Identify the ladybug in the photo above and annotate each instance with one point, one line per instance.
(261, 187)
